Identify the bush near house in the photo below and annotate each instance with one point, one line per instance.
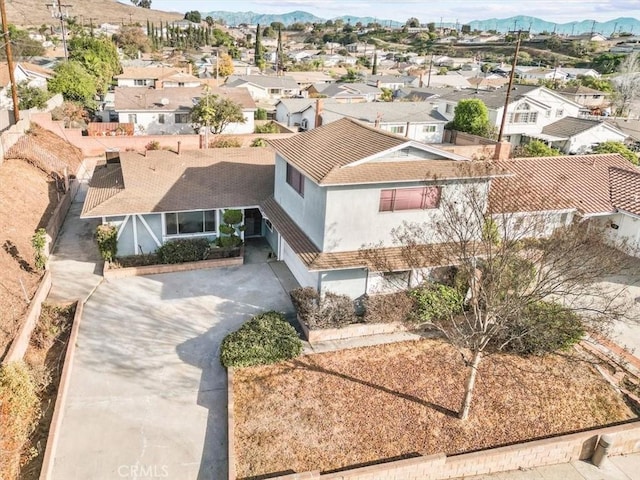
(328, 311)
(437, 301)
(225, 143)
(388, 308)
(270, 127)
(186, 250)
(107, 238)
(266, 338)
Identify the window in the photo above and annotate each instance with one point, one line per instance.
(397, 129)
(161, 118)
(181, 84)
(295, 179)
(523, 117)
(183, 223)
(449, 108)
(182, 118)
(409, 199)
(140, 83)
(268, 224)
(274, 91)
(559, 112)
(133, 118)
(429, 129)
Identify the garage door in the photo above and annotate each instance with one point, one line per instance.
(299, 271)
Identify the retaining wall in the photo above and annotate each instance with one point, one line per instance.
(350, 331)
(110, 273)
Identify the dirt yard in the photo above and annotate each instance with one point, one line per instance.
(28, 197)
(333, 410)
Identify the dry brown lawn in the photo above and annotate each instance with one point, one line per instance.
(329, 411)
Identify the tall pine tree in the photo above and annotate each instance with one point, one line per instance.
(259, 53)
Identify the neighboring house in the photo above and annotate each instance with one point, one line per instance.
(530, 109)
(585, 96)
(346, 185)
(580, 72)
(156, 77)
(23, 72)
(413, 120)
(393, 82)
(556, 188)
(168, 111)
(162, 196)
(289, 110)
(537, 74)
(346, 92)
(265, 87)
(420, 94)
(579, 135)
(306, 79)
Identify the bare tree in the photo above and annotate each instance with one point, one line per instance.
(627, 84)
(510, 265)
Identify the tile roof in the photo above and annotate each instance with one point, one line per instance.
(580, 182)
(322, 153)
(387, 112)
(396, 258)
(194, 180)
(333, 90)
(568, 127)
(625, 189)
(580, 90)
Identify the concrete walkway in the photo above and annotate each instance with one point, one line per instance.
(75, 263)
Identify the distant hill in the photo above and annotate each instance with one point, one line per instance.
(252, 18)
(537, 25)
(35, 12)
(623, 24)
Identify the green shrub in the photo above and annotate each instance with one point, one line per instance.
(230, 229)
(107, 238)
(261, 114)
(388, 308)
(270, 127)
(39, 241)
(266, 338)
(152, 145)
(184, 250)
(259, 142)
(437, 302)
(329, 311)
(542, 328)
(230, 142)
(19, 412)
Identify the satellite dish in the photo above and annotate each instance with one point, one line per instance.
(164, 101)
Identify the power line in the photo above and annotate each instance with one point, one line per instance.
(56, 12)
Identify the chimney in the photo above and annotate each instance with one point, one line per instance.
(159, 84)
(179, 144)
(406, 133)
(189, 69)
(319, 110)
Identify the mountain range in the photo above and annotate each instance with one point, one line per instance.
(536, 25)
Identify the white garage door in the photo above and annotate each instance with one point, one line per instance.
(300, 272)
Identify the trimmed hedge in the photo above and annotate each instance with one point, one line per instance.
(388, 308)
(266, 338)
(185, 250)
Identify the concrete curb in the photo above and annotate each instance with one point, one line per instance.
(110, 273)
(63, 388)
(231, 460)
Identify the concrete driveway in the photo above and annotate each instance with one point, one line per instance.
(147, 397)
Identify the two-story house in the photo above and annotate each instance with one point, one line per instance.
(530, 109)
(156, 77)
(346, 185)
(414, 120)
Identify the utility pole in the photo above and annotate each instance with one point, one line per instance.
(511, 77)
(7, 47)
(56, 12)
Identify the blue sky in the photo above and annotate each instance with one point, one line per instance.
(559, 11)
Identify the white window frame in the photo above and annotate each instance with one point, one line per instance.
(191, 235)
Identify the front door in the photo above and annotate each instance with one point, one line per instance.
(252, 222)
